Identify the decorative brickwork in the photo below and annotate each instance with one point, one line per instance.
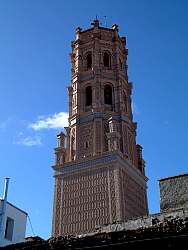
(99, 170)
(133, 196)
(85, 201)
(57, 206)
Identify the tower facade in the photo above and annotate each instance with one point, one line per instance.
(99, 169)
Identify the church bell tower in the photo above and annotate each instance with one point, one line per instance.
(99, 170)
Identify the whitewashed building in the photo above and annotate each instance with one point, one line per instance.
(14, 225)
(12, 222)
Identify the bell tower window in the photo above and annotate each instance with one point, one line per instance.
(108, 95)
(106, 60)
(89, 60)
(86, 145)
(88, 96)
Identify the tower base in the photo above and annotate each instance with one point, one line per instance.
(97, 191)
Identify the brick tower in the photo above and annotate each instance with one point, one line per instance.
(99, 170)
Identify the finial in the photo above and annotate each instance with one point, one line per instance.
(95, 22)
(115, 27)
(61, 139)
(78, 29)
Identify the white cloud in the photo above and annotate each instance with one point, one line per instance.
(29, 141)
(56, 121)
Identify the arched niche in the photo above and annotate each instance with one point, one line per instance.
(88, 96)
(107, 60)
(89, 60)
(108, 97)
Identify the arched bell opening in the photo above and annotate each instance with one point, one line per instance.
(88, 97)
(107, 60)
(89, 61)
(108, 97)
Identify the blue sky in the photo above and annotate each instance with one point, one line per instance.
(35, 39)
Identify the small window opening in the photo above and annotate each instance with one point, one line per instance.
(86, 144)
(88, 96)
(106, 60)
(89, 61)
(9, 229)
(108, 95)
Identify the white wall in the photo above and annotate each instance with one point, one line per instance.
(20, 219)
